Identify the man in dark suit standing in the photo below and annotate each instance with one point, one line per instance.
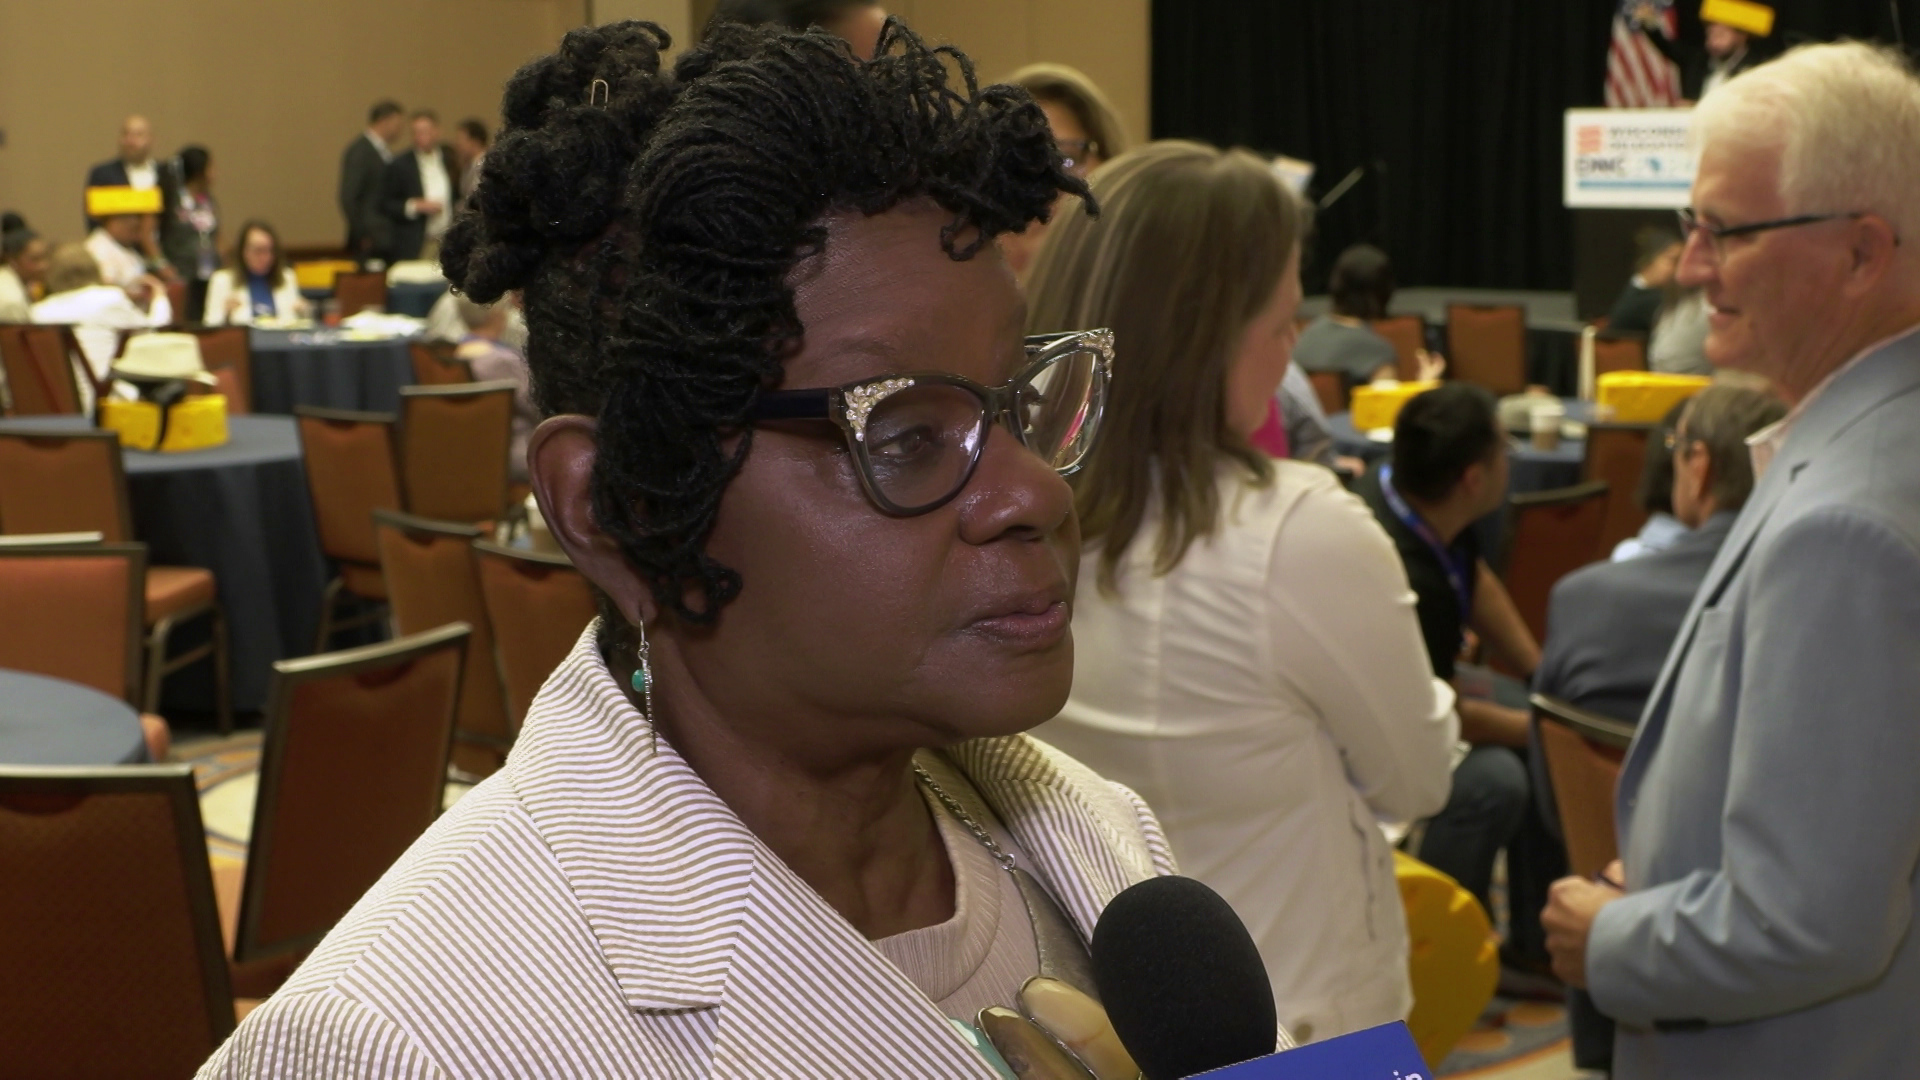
(363, 169)
(136, 167)
(419, 193)
(1728, 52)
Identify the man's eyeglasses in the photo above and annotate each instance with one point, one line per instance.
(1717, 235)
(917, 437)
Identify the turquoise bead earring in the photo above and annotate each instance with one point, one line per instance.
(643, 677)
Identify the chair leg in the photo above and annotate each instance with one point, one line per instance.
(222, 672)
(328, 598)
(156, 664)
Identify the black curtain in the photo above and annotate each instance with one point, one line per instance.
(1451, 107)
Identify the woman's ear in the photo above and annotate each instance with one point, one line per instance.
(560, 460)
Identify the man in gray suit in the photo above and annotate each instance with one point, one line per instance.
(1769, 811)
(363, 177)
(1611, 624)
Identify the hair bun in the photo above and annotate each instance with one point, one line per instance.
(553, 180)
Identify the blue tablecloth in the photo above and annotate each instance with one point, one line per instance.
(48, 721)
(242, 511)
(318, 367)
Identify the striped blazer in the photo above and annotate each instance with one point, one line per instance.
(595, 910)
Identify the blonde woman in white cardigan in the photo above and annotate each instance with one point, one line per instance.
(1248, 655)
(258, 285)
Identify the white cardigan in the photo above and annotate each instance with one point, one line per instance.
(1271, 699)
(225, 284)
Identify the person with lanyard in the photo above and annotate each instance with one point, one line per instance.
(1449, 470)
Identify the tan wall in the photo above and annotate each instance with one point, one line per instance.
(1107, 39)
(274, 88)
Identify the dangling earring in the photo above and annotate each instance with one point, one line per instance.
(643, 677)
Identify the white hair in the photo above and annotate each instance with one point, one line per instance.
(1845, 118)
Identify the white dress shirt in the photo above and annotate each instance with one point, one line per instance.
(143, 176)
(1271, 698)
(119, 264)
(437, 186)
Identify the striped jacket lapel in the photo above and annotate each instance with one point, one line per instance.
(692, 912)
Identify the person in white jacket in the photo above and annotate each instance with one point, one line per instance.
(258, 285)
(1247, 652)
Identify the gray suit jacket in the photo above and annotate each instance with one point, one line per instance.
(1610, 625)
(1769, 810)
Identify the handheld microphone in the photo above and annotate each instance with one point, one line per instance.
(1182, 980)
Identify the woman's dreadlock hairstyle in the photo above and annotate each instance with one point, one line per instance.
(652, 222)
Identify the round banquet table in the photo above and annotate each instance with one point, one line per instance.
(322, 367)
(49, 721)
(242, 511)
(1529, 468)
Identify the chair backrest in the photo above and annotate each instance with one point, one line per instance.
(1623, 353)
(537, 604)
(357, 291)
(1408, 333)
(1487, 346)
(431, 581)
(353, 469)
(352, 770)
(76, 612)
(1331, 388)
(228, 354)
(109, 933)
(1617, 453)
(1548, 535)
(435, 365)
(454, 443)
(68, 481)
(1583, 751)
(40, 373)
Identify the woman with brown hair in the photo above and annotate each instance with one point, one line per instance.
(1248, 654)
(1085, 127)
(259, 284)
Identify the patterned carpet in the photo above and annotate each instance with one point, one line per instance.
(1514, 1041)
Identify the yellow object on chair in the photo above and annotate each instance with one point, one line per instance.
(193, 423)
(1452, 956)
(1643, 397)
(1378, 405)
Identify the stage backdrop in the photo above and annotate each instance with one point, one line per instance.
(1452, 106)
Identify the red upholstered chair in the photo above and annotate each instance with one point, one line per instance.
(1409, 336)
(359, 291)
(228, 354)
(1618, 354)
(435, 365)
(1549, 534)
(454, 442)
(1583, 751)
(75, 482)
(432, 581)
(1617, 454)
(353, 469)
(108, 931)
(42, 366)
(538, 606)
(1487, 346)
(1331, 388)
(355, 746)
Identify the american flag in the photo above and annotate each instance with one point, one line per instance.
(1638, 76)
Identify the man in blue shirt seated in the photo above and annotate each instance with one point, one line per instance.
(1610, 624)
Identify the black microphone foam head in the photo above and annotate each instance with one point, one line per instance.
(1182, 980)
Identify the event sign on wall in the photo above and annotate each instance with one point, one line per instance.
(1628, 159)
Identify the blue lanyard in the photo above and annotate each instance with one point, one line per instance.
(1458, 569)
